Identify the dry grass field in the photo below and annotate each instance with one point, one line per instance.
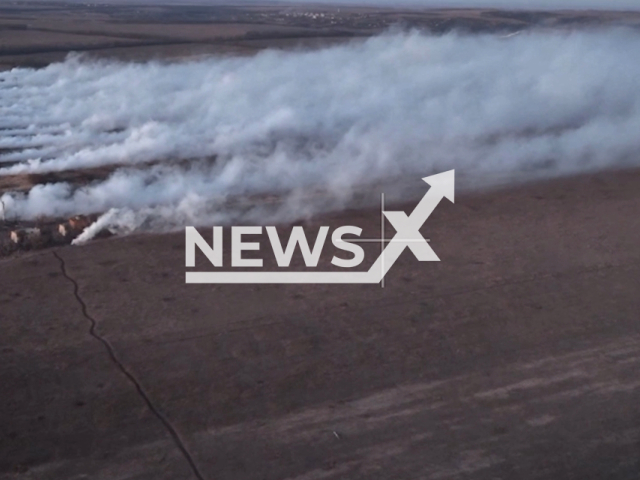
(517, 356)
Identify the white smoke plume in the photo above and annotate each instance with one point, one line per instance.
(213, 140)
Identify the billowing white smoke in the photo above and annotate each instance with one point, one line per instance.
(402, 105)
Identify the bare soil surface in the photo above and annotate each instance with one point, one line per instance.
(515, 357)
(35, 34)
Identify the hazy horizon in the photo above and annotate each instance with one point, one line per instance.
(502, 4)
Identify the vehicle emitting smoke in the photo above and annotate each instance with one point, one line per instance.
(187, 140)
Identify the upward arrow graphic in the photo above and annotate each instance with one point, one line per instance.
(408, 227)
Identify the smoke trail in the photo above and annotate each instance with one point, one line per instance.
(190, 139)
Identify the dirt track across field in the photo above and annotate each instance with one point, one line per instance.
(515, 357)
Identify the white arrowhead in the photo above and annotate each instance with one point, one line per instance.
(444, 183)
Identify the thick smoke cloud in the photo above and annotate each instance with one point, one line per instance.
(215, 140)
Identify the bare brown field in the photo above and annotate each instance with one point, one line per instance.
(38, 41)
(37, 34)
(516, 356)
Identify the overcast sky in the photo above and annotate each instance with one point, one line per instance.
(519, 4)
(507, 4)
(526, 4)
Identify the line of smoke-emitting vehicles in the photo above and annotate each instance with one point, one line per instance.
(43, 234)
